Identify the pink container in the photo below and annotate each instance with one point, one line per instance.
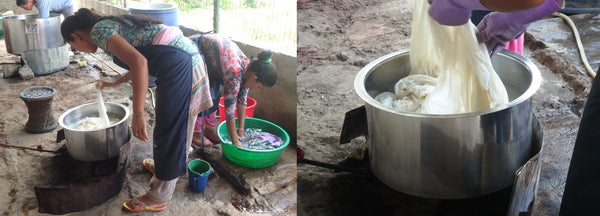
(250, 104)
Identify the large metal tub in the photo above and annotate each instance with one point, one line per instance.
(100, 144)
(46, 61)
(449, 156)
(29, 32)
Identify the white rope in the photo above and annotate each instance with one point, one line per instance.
(578, 41)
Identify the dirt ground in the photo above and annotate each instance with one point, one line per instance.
(336, 38)
(272, 189)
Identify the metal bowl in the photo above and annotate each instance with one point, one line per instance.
(100, 144)
(448, 156)
(29, 32)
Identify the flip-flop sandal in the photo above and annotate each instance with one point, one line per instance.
(142, 206)
(149, 165)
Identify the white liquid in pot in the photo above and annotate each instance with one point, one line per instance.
(92, 123)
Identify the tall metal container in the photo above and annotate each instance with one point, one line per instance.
(29, 32)
(46, 61)
(449, 156)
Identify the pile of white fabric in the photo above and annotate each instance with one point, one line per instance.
(451, 72)
(89, 123)
(94, 123)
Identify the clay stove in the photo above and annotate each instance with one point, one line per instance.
(81, 185)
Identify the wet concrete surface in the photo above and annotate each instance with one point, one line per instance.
(557, 104)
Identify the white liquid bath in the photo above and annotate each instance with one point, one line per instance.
(92, 123)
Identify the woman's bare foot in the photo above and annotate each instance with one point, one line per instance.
(211, 134)
(197, 138)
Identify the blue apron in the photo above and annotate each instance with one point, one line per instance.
(173, 70)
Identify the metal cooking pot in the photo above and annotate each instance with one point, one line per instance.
(100, 144)
(449, 156)
(29, 32)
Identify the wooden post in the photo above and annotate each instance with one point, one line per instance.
(216, 15)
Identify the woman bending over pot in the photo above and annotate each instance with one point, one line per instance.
(145, 47)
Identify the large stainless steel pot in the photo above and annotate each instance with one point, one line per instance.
(448, 156)
(46, 61)
(95, 145)
(29, 32)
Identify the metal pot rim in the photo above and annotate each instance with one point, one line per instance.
(22, 17)
(359, 86)
(62, 116)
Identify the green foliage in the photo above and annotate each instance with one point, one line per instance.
(119, 3)
(186, 5)
(237, 4)
(251, 3)
(265, 23)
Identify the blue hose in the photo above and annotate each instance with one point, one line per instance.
(572, 10)
(580, 7)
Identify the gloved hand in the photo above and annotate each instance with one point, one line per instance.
(497, 28)
(453, 12)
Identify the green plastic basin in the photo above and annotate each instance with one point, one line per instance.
(252, 158)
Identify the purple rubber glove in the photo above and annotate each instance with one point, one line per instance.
(453, 12)
(497, 28)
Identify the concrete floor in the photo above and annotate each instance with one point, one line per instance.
(272, 189)
(560, 100)
(550, 45)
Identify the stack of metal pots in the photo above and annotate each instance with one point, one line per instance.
(38, 41)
